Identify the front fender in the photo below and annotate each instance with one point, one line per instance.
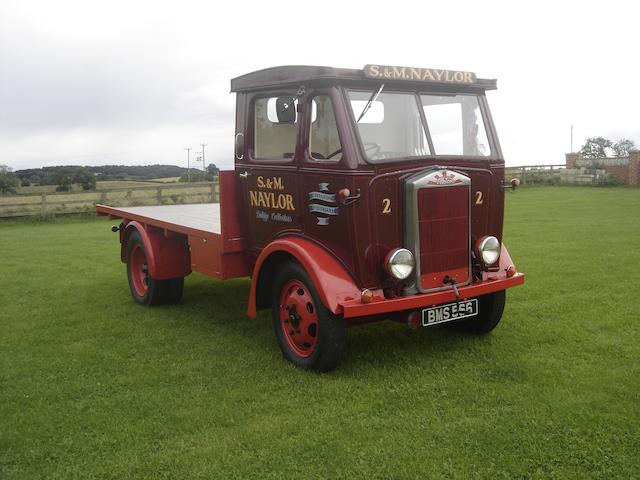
(504, 263)
(330, 279)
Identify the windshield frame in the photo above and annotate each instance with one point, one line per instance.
(495, 152)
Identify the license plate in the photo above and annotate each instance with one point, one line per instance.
(449, 312)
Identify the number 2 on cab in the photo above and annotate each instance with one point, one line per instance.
(386, 205)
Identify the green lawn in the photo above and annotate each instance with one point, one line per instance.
(94, 386)
(99, 185)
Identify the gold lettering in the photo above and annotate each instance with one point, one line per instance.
(253, 198)
(260, 182)
(374, 70)
(386, 205)
(283, 201)
(289, 201)
(399, 72)
(277, 183)
(418, 74)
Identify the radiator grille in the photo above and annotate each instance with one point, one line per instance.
(443, 228)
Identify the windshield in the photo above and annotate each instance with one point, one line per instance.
(392, 126)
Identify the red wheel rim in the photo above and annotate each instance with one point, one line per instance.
(138, 270)
(298, 318)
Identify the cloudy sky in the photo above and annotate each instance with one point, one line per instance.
(134, 82)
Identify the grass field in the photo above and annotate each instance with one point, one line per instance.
(94, 386)
(99, 185)
(125, 193)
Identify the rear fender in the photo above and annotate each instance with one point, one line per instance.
(167, 255)
(330, 279)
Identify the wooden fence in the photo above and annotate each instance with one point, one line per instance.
(46, 204)
(532, 173)
(558, 175)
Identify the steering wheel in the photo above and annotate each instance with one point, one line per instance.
(367, 146)
(333, 154)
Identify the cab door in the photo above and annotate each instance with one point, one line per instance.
(325, 175)
(267, 171)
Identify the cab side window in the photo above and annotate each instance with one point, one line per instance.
(324, 142)
(275, 127)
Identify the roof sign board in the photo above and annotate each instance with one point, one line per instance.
(412, 74)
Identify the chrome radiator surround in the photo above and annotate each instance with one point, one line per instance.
(433, 177)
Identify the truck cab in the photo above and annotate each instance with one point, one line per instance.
(369, 163)
(357, 196)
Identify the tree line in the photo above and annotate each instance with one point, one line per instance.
(64, 177)
(601, 147)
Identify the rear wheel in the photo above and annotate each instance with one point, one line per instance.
(490, 308)
(308, 334)
(144, 289)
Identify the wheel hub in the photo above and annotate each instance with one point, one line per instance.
(298, 318)
(294, 318)
(139, 270)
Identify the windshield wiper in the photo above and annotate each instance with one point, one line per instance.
(372, 99)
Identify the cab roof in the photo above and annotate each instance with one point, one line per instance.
(295, 75)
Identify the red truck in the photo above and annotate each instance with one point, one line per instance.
(357, 196)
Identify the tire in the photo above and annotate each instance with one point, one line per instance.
(308, 334)
(173, 290)
(490, 308)
(144, 289)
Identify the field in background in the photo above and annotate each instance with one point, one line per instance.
(94, 386)
(559, 175)
(166, 180)
(76, 188)
(119, 194)
(45, 201)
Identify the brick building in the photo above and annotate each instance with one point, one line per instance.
(624, 169)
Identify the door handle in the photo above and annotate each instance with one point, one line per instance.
(239, 145)
(244, 174)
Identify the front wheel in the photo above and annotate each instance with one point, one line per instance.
(308, 334)
(490, 308)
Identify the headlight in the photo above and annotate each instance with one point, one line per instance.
(488, 250)
(399, 263)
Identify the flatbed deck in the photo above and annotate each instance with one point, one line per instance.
(215, 243)
(200, 218)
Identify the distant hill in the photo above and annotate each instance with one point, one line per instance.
(107, 172)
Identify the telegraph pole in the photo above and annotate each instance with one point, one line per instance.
(188, 149)
(204, 169)
(571, 138)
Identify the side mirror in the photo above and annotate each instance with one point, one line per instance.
(515, 183)
(286, 109)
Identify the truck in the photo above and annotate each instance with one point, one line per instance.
(358, 195)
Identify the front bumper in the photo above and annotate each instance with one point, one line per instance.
(380, 305)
